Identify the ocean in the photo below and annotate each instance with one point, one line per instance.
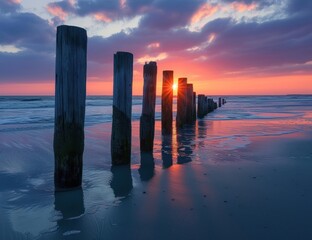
(37, 112)
(241, 172)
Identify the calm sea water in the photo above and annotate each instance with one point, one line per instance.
(32, 112)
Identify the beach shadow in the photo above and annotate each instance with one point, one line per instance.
(166, 151)
(121, 182)
(185, 142)
(147, 167)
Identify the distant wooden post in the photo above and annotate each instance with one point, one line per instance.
(122, 104)
(220, 104)
(201, 105)
(181, 102)
(210, 105)
(223, 101)
(189, 103)
(70, 97)
(194, 106)
(206, 105)
(166, 102)
(147, 119)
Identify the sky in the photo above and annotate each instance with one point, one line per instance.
(224, 47)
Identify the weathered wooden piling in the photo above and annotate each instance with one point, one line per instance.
(201, 105)
(194, 106)
(70, 97)
(122, 108)
(181, 102)
(166, 102)
(220, 104)
(223, 101)
(189, 103)
(147, 119)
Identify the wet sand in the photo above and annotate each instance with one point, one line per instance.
(214, 180)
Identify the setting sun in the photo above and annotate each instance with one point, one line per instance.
(175, 88)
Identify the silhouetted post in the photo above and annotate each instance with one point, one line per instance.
(223, 101)
(206, 105)
(201, 106)
(215, 105)
(220, 102)
(70, 98)
(166, 102)
(181, 102)
(189, 103)
(210, 105)
(194, 106)
(122, 104)
(147, 119)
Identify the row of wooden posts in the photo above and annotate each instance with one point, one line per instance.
(70, 96)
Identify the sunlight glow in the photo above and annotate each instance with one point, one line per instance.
(174, 87)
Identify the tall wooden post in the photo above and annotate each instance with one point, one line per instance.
(70, 98)
(220, 104)
(122, 108)
(147, 119)
(166, 102)
(181, 102)
(194, 106)
(189, 104)
(201, 106)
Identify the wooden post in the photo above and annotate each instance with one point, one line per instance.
(166, 102)
(220, 104)
(70, 98)
(189, 103)
(181, 102)
(194, 106)
(147, 119)
(210, 105)
(201, 106)
(122, 104)
(206, 105)
(215, 105)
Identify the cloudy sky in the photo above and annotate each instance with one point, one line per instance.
(223, 47)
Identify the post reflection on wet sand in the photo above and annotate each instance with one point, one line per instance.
(185, 143)
(147, 166)
(71, 205)
(121, 182)
(166, 151)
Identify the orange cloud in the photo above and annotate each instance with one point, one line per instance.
(242, 7)
(205, 10)
(57, 11)
(102, 17)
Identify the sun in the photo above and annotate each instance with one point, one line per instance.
(174, 87)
